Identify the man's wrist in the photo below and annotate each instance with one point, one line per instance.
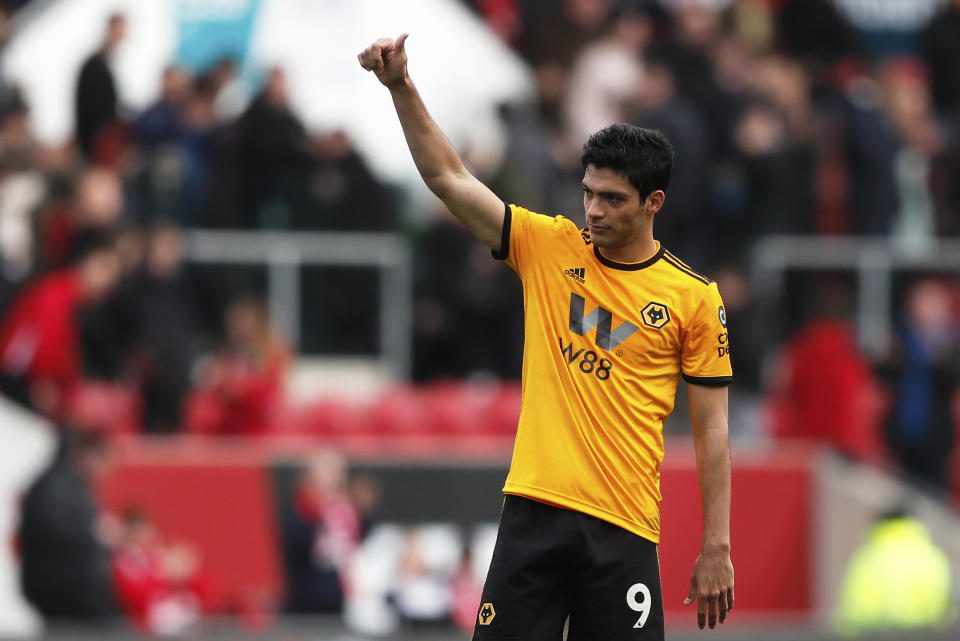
(403, 84)
(715, 547)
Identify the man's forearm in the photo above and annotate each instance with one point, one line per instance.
(435, 158)
(478, 208)
(713, 473)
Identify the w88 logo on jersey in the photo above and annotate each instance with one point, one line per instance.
(587, 361)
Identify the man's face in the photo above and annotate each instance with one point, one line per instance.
(612, 207)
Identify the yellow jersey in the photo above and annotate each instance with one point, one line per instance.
(605, 346)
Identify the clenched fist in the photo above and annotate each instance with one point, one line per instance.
(387, 59)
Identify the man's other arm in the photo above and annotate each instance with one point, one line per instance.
(478, 208)
(711, 584)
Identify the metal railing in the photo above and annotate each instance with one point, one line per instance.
(872, 260)
(284, 253)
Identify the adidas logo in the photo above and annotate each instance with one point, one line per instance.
(578, 274)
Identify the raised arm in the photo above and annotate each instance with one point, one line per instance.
(711, 584)
(467, 198)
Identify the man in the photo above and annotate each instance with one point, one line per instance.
(41, 360)
(897, 551)
(95, 104)
(580, 522)
(64, 537)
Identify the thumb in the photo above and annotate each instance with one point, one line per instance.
(402, 39)
(691, 595)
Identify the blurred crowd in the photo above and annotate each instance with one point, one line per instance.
(806, 117)
(810, 118)
(82, 560)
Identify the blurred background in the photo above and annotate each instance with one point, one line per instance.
(257, 382)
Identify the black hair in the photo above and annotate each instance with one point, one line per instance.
(644, 156)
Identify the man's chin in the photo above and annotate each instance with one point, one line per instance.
(603, 240)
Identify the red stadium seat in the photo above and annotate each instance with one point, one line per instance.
(112, 408)
(334, 417)
(399, 411)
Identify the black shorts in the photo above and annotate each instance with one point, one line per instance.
(549, 563)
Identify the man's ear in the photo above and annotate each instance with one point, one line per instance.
(654, 201)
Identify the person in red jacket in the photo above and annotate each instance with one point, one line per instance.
(40, 359)
(161, 586)
(827, 392)
(242, 386)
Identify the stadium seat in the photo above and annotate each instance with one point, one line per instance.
(399, 411)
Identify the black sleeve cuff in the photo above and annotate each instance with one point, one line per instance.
(708, 381)
(504, 237)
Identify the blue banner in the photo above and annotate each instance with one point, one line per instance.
(210, 30)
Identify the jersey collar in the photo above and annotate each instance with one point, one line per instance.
(630, 267)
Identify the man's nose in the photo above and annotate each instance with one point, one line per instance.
(594, 210)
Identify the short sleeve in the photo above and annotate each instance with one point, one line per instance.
(523, 231)
(705, 349)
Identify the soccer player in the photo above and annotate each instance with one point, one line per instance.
(612, 321)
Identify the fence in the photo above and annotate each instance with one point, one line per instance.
(284, 253)
(873, 260)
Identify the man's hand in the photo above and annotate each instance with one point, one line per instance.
(387, 59)
(712, 587)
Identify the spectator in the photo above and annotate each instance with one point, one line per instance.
(779, 173)
(347, 194)
(696, 33)
(420, 595)
(22, 188)
(465, 593)
(365, 492)
(538, 167)
(169, 339)
(910, 114)
(96, 203)
(39, 338)
(109, 328)
(941, 48)
(161, 586)
(171, 133)
(276, 154)
(230, 91)
(502, 16)
(321, 531)
(96, 101)
(462, 293)
(923, 370)
(606, 77)
(871, 149)
(558, 36)
(825, 390)
(815, 31)
(898, 552)
(661, 106)
(241, 388)
(163, 122)
(196, 146)
(64, 537)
